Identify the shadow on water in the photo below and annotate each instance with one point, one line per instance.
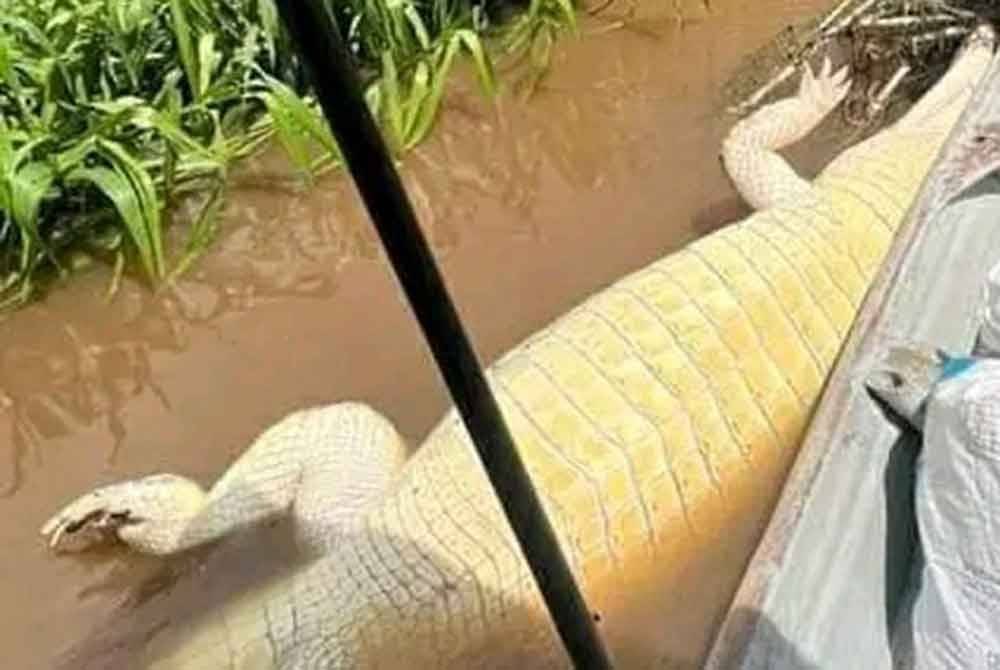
(185, 588)
(153, 621)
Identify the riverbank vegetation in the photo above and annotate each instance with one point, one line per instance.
(112, 111)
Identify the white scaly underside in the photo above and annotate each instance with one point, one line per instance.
(627, 412)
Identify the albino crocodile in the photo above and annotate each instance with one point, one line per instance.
(651, 418)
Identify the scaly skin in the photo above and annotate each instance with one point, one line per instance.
(652, 417)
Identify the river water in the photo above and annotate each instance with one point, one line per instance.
(531, 206)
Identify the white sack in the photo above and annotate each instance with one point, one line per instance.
(956, 618)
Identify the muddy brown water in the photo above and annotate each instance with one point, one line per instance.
(531, 206)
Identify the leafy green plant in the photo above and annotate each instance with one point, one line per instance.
(111, 111)
(533, 33)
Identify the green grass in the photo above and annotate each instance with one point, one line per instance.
(113, 110)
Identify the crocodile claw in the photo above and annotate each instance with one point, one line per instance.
(90, 520)
(826, 90)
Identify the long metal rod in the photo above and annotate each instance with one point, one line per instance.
(338, 88)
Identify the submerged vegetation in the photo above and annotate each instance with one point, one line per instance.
(113, 110)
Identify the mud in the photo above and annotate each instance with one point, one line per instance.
(530, 205)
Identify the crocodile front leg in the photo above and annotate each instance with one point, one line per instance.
(750, 151)
(323, 466)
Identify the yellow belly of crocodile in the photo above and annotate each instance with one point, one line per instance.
(657, 419)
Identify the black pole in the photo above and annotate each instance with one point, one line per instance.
(339, 91)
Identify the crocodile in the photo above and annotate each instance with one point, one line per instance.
(651, 417)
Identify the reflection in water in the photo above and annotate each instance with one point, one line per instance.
(54, 391)
(529, 206)
(63, 368)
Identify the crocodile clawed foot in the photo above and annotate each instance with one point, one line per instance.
(824, 91)
(78, 533)
(144, 512)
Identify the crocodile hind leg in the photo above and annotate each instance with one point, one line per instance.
(750, 151)
(323, 466)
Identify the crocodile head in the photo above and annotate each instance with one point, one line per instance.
(905, 378)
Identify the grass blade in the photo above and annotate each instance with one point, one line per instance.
(183, 33)
(296, 120)
(119, 190)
